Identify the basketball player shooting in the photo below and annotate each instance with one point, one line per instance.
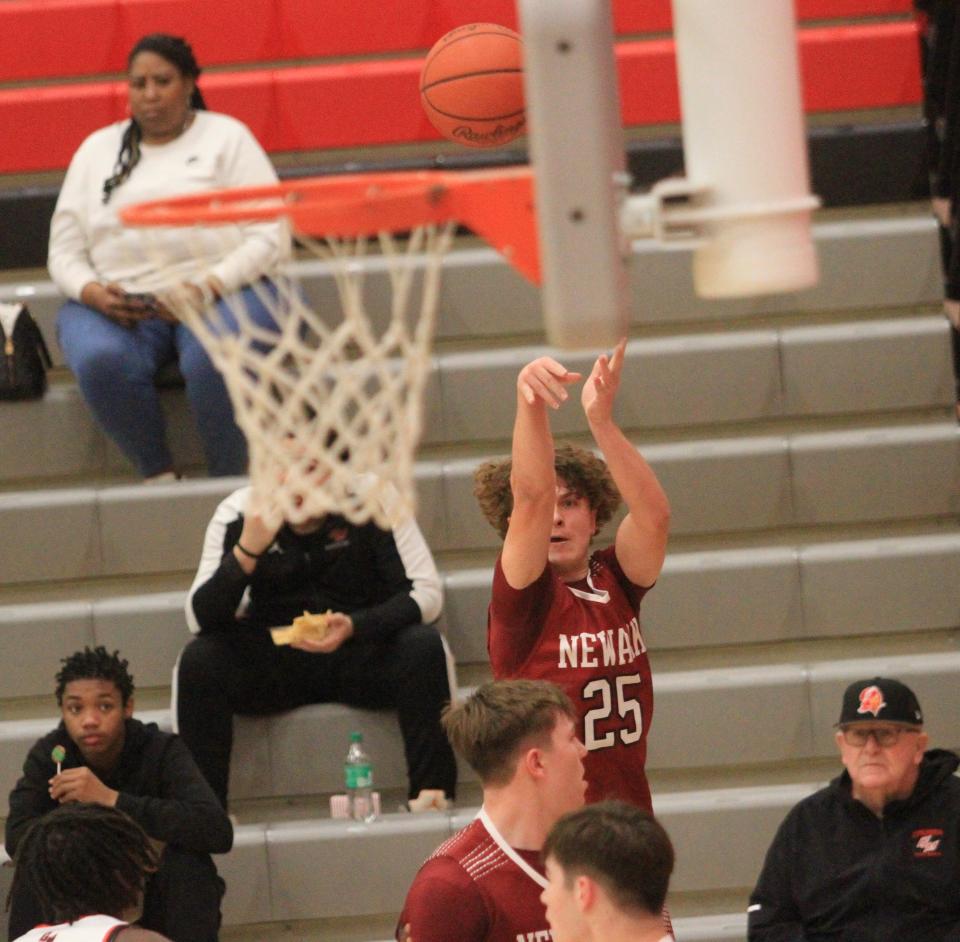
(557, 611)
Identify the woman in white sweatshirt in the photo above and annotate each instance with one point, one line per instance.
(115, 331)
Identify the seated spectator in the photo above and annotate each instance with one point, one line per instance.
(484, 883)
(107, 758)
(87, 866)
(872, 856)
(115, 330)
(381, 648)
(608, 870)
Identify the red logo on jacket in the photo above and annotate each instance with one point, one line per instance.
(927, 842)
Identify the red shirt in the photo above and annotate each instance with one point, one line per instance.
(475, 888)
(585, 637)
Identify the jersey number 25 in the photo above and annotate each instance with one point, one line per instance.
(627, 708)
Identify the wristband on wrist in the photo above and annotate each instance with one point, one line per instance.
(247, 552)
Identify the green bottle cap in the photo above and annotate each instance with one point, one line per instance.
(356, 737)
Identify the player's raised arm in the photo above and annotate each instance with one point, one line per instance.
(541, 383)
(642, 536)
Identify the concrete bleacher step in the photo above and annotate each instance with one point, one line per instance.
(722, 485)
(703, 379)
(812, 590)
(719, 928)
(482, 298)
(792, 706)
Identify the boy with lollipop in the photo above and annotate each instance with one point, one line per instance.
(100, 755)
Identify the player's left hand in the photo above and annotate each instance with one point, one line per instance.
(405, 935)
(339, 629)
(81, 784)
(600, 389)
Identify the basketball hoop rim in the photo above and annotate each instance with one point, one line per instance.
(496, 203)
(415, 197)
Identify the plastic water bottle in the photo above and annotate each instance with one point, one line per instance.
(358, 776)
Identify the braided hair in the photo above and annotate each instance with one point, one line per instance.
(178, 53)
(81, 860)
(95, 664)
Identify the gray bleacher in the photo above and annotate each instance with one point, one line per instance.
(813, 465)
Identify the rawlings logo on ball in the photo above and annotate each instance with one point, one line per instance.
(871, 700)
(499, 135)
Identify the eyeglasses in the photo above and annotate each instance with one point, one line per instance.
(883, 735)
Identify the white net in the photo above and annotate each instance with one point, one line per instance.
(330, 395)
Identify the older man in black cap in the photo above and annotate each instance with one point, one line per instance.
(875, 855)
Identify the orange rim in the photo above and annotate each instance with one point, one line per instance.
(496, 204)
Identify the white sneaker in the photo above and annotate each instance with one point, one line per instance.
(429, 799)
(166, 477)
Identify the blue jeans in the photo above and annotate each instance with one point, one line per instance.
(116, 367)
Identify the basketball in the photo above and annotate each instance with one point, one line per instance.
(471, 85)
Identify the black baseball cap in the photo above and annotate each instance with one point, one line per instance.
(880, 698)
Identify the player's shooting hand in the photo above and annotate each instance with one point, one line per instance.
(404, 935)
(339, 629)
(545, 379)
(81, 784)
(600, 389)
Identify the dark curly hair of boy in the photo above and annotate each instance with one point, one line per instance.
(95, 664)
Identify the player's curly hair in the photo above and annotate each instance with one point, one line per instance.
(95, 664)
(581, 470)
(81, 859)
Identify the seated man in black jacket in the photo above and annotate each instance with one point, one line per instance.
(380, 592)
(873, 856)
(99, 754)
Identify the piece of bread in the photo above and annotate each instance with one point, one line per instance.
(304, 626)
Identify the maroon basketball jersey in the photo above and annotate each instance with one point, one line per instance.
(585, 637)
(476, 888)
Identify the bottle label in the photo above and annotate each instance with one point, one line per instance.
(358, 776)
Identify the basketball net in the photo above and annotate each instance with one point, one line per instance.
(330, 401)
(330, 395)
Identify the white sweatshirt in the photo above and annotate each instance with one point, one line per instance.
(89, 243)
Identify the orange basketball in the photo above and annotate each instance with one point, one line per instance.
(471, 85)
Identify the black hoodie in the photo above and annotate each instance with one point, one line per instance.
(160, 787)
(835, 871)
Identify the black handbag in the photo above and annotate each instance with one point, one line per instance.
(25, 358)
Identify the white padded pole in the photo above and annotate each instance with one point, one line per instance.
(743, 135)
(577, 150)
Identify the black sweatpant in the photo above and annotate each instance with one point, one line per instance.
(242, 671)
(181, 902)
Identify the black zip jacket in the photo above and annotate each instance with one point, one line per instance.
(160, 787)
(837, 872)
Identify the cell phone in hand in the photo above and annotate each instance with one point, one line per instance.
(144, 298)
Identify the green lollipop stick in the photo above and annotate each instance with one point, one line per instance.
(58, 755)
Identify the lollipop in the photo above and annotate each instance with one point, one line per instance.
(58, 755)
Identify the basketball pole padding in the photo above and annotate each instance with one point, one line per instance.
(745, 144)
(577, 148)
